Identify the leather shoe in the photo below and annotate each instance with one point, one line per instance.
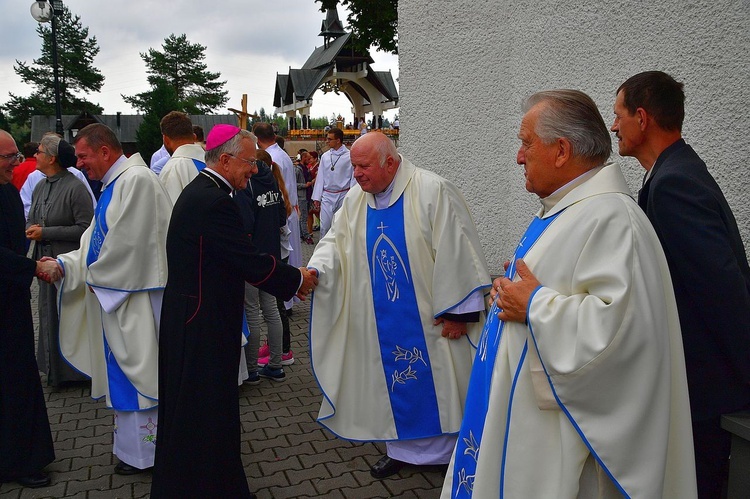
(35, 480)
(125, 469)
(386, 467)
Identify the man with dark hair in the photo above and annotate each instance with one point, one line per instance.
(187, 156)
(707, 262)
(335, 178)
(110, 296)
(578, 388)
(200, 138)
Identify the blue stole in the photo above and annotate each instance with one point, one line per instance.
(403, 349)
(100, 223)
(200, 165)
(122, 393)
(478, 396)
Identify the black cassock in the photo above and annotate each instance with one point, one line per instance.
(25, 437)
(209, 259)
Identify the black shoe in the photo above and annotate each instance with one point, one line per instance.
(35, 480)
(386, 467)
(125, 469)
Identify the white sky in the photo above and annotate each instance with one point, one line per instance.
(247, 41)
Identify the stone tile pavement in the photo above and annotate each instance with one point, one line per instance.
(286, 453)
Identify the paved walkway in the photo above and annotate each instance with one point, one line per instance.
(286, 453)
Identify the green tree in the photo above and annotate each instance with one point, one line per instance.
(281, 123)
(4, 124)
(160, 101)
(75, 56)
(371, 23)
(180, 65)
(320, 122)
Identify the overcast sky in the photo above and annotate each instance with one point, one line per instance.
(247, 41)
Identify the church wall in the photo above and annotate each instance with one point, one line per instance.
(466, 66)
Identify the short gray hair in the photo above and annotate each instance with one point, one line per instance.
(386, 148)
(50, 143)
(573, 115)
(231, 147)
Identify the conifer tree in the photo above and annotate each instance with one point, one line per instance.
(180, 65)
(371, 23)
(78, 77)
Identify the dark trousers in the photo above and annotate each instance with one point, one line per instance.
(712, 445)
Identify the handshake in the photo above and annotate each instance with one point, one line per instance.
(309, 282)
(48, 270)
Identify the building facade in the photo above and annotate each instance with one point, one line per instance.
(465, 68)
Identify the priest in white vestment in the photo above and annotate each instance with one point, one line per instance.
(579, 387)
(400, 297)
(334, 179)
(110, 296)
(187, 157)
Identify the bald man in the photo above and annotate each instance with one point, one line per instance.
(25, 437)
(401, 273)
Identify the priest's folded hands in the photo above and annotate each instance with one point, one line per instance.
(512, 297)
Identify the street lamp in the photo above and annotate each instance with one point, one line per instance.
(43, 12)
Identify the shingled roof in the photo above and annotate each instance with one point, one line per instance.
(125, 126)
(337, 54)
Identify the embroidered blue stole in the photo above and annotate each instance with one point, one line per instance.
(200, 165)
(100, 223)
(403, 349)
(122, 393)
(478, 395)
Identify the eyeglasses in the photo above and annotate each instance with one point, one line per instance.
(251, 162)
(40, 151)
(14, 156)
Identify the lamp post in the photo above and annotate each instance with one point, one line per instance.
(43, 12)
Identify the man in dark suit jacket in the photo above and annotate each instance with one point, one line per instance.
(706, 258)
(209, 259)
(25, 437)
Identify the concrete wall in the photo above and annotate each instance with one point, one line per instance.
(465, 67)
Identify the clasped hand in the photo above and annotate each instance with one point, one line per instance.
(309, 282)
(513, 297)
(34, 232)
(48, 270)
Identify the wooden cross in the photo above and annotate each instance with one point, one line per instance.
(243, 115)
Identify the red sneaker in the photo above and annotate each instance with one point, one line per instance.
(264, 351)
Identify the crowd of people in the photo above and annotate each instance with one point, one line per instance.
(598, 366)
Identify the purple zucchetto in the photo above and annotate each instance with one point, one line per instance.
(220, 134)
